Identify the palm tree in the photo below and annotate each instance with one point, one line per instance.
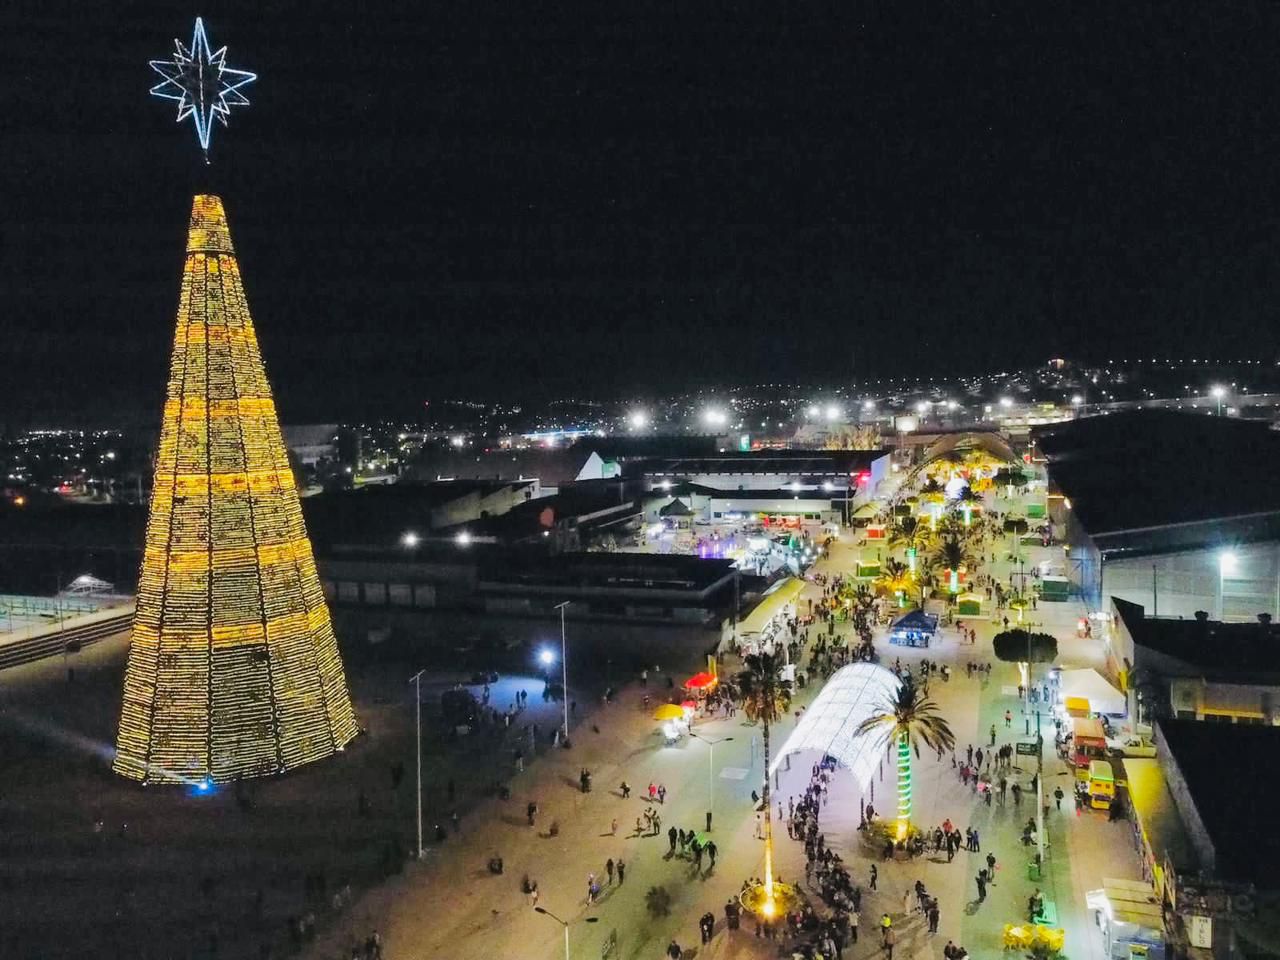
(895, 579)
(951, 554)
(910, 535)
(766, 698)
(905, 718)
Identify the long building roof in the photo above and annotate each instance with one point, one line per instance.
(1147, 469)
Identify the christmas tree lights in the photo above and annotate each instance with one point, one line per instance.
(233, 669)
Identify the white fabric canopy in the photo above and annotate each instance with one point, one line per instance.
(1092, 686)
(851, 695)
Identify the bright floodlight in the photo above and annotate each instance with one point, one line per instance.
(1218, 391)
(458, 441)
(410, 539)
(814, 411)
(638, 420)
(833, 412)
(463, 538)
(1006, 401)
(546, 656)
(1077, 400)
(868, 404)
(951, 404)
(1227, 561)
(922, 407)
(715, 418)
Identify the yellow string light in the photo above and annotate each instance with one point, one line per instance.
(233, 669)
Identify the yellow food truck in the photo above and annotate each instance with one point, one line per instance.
(1102, 785)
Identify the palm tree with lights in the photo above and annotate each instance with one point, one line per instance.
(910, 535)
(953, 554)
(766, 698)
(906, 718)
(896, 580)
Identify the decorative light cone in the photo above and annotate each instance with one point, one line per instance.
(233, 670)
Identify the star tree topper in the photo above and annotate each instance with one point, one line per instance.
(204, 86)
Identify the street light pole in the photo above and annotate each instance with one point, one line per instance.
(711, 772)
(416, 680)
(565, 924)
(564, 672)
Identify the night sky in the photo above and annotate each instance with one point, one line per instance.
(528, 200)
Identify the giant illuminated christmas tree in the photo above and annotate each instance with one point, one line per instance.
(233, 670)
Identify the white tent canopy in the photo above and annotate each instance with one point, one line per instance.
(851, 695)
(1090, 685)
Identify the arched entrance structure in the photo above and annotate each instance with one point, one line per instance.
(830, 725)
(958, 444)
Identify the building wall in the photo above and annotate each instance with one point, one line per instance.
(476, 504)
(1182, 799)
(1179, 584)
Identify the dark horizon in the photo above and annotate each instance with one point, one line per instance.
(591, 201)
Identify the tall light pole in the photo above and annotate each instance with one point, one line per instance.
(565, 924)
(564, 670)
(711, 771)
(416, 680)
(1218, 392)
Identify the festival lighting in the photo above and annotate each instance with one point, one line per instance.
(638, 420)
(233, 668)
(204, 86)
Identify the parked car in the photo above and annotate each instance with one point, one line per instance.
(1130, 745)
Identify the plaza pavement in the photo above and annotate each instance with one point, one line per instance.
(452, 906)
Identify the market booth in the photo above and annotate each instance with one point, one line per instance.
(877, 531)
(914, 629)
(969, 606)
(867, 566)
(1128, 915)
(1090, 685)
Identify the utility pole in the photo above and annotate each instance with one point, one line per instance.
(564, 673)
(416, 680)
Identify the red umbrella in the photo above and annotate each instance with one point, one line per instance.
(690, 705)
(699, 680)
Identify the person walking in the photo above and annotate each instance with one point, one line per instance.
(1057, 797)
(613, 827)
(853, 927)
(711, 852)
(993, 735)
(874, 874)
(672, 837)
(622, 870)
(981, 880)
(608, 869)
(933, 916)
(890, 939)
(662, 793)
(1008, 719)
(991, 868)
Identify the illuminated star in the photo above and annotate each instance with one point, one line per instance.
(204, 86)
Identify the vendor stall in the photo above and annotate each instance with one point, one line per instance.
(1129, 916)
(969, 606)
(877, 531)
(867, 566)
(914, 629)
(1088, 684)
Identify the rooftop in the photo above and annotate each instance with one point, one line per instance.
(785, 462)
(1154, 468)
(1242, 650)
(1237, 810)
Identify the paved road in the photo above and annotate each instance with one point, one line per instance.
(452, 906)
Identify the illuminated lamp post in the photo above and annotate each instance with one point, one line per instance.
(416, 680)
(565, 924)
(1218, 392)
(564, 669)
(711, 771)
(1227, 561)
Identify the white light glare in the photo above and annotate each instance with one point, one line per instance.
(638, 420)
(463, 538)
(410, 539)
(833, 412)
(1227, 561)
(1006, 402)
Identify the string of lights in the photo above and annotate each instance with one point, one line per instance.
(234, 669)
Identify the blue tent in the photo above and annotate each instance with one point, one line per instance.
(913, 629)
